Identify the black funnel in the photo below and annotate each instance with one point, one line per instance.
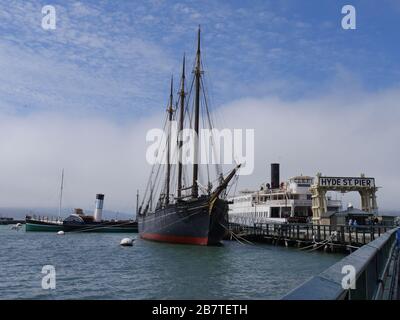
(275, 175)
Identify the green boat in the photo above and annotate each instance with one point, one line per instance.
(37, 225)
(75, 223)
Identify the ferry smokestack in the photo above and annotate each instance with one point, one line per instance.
(275, 175)
(99, 207)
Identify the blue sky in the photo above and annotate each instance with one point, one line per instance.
(115, 58)
(83, 96)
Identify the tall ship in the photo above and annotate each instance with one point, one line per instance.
(184, 210)
(277, 202)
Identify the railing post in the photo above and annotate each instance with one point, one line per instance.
(350, 231)
(342, 236)
(356, 234)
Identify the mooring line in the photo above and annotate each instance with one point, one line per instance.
(236, 235)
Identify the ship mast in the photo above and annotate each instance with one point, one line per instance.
(61, 193)
(197, 74)
(137, 204)
(170, 111)
(181, 119)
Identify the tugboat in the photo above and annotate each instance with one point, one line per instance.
(78, 221)
(196, 214)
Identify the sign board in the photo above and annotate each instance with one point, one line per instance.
(346, 182)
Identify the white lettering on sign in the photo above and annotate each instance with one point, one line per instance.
(346, 182)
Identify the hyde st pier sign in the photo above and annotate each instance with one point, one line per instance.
(350, 182)
(363, 185)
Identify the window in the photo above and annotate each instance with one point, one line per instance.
(275, 212)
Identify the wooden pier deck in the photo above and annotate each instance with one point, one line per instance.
(331, 238)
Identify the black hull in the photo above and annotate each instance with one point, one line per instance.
(186, 223)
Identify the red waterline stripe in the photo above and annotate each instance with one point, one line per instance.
(175, 239)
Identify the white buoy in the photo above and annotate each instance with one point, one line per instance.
(16, 227)
(126, 242)
(61, 233)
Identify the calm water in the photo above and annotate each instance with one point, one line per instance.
(95, 266)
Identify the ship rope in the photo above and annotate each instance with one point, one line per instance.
(188, 124)
(236, 236)
(318, 245)
(149, 182)
(234, 183)
(207, 151)
(190, 114)
(156, 186)
(218, 166)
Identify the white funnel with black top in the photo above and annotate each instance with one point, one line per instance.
(99, 207)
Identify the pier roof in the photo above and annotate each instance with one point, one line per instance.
(348, 212)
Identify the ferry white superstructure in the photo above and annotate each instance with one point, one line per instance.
(289, 201)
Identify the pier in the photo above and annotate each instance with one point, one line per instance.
(375, 277)
(8, 221)
(324, 237)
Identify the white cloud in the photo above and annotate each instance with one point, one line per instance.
(336, 135)
(308, 136)
(98, 156)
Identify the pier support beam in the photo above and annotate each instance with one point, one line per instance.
(319, 203)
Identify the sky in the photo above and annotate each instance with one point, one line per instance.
(82, 97)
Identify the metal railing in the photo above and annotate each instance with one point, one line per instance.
(371, 264)
(352, 235)
(51, 219)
